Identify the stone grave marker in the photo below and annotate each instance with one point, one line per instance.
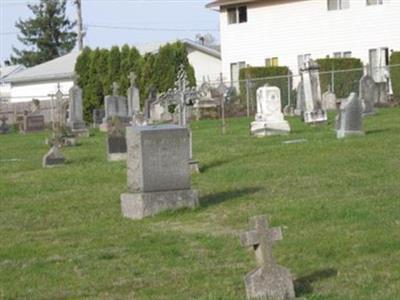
(4, 128)
(349, 119)
(158, 171)
(269, 118)
(269, 280)
(313, 112)
(369, 94)
(33, 121)
(75, 120)
(116, 140)
(329, 101)
(133, 96)
(53, 158)
(98, 116)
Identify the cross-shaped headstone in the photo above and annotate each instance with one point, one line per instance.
(115, 88)
(268, 280)
(132, 77)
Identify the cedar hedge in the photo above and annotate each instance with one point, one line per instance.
(345, 82)
(395, 74)
(259, 76)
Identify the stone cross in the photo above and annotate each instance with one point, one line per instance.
(268, 280)
(115, 88)
(132, 77)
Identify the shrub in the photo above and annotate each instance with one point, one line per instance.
(259, 76)
(395, 74)
(344, 82)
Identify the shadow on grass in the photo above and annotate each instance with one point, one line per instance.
(217, 198)
(214, 164)
(377, 131)
(303, 285)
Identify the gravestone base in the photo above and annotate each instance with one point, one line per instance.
(276, 283)
(341, 134)
(53, 158)
(315, 117)
(194, 166)
(289, 111)
(69, 141)
(261, 128)
(84, 132)
(117, 156)
(137, 206)
(298, 112)
(103, 127)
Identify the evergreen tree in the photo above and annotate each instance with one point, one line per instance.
(93, 94)
(130, 62)
(48, 34)
(114, 65)
(82, 67)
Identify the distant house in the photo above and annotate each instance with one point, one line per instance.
(289, 32)
(5, 87)
(40, 81)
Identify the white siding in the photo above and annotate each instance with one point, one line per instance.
(288, 28)
(23, 92)
(205, 66)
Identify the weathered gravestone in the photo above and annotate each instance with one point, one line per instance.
(4, 128)
(329, 101)
(98, 116)
(300, 105)
(349, 119)
(33, 121)
(269, 280)
(75, 120)
(313, 112)
(369, 94)
(133, 96)
(54, 157)
(158, 171)
(269, 118)
(115, 106)
(116, 140)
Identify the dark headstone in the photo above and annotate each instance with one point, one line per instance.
(98, 116)
(33, 123)
(116, 140)
(53, 158)
(4, 128)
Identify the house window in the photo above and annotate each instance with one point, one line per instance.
(272, 62)
(337, 55)
(347, 54)
(237, 15)
(374, 2)
(235, 70)
(338, 4)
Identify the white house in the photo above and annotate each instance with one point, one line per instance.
(5, 87)
(288, 32)
(41, 81)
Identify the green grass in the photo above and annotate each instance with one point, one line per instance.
(62, 235)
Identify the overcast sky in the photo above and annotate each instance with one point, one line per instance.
(149, 20)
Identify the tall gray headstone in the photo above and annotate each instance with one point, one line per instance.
(133, 96)
(269, 280)
(158, 171)
(350, 121)
(75, 120)
(369, 94)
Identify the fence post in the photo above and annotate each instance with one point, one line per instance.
(289, 89)
(248, 97)
(333, 79)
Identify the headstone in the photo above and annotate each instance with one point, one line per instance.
(53, 158)
(98, 116)
(158, 171)
(33, 123)
(269, 118)
(75, 120)
(147, 105)
(116, 140)
(133, 96)
(4, 128)
(300, 105)
(115, 106)
(369, 94)
(329, 101)
(313, 112)
(349, 119)
(269, 280)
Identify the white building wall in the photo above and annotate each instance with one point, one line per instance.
(288, 28)
(24, 92)
(205, 66)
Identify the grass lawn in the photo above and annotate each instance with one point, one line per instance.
(338, 201)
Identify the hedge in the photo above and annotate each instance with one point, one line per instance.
(259, 76)
(395, 74)
(345, 82)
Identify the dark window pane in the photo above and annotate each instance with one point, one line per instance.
(242, 14)
(232, 16)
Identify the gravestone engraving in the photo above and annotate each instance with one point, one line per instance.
(75, 119)
(116, 140)
(269, 118)
(4, 128)
(313, 112)
(158, 171)
(369, 94)
(349, 119)
(269, 280)
(133, 96)
(98, 116)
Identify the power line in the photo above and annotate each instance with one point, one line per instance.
(151, 28)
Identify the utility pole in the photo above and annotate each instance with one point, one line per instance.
(78, 4)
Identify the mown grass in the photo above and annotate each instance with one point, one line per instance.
(62, 235)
